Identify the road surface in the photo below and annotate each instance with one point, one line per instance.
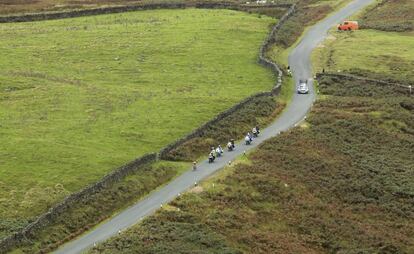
(299, 61)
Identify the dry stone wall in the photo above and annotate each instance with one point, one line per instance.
(271, 40)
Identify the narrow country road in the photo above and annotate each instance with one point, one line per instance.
(299, 61)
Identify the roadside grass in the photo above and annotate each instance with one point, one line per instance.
(308, 13)
(386, 54)
(341, 184)
(390, 15)
(295, 25)
(79, 97)
(288, 89)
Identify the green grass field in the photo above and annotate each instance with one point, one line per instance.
(81, 96)
(384, 53)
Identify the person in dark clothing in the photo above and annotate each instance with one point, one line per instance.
(255, 132)
(230, 146)
(211, 157)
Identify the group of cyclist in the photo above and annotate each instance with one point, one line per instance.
(218, 152)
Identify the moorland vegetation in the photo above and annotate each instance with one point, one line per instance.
(390, 15)
(341, 182)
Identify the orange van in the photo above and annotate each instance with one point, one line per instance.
(348, 26)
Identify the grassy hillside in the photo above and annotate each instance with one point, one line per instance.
(340, 183)
(386, 54)
(81, 96)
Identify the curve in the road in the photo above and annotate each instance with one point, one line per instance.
(299, 61)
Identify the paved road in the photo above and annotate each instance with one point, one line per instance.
(299, 61)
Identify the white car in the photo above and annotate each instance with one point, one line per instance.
(303, 87)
